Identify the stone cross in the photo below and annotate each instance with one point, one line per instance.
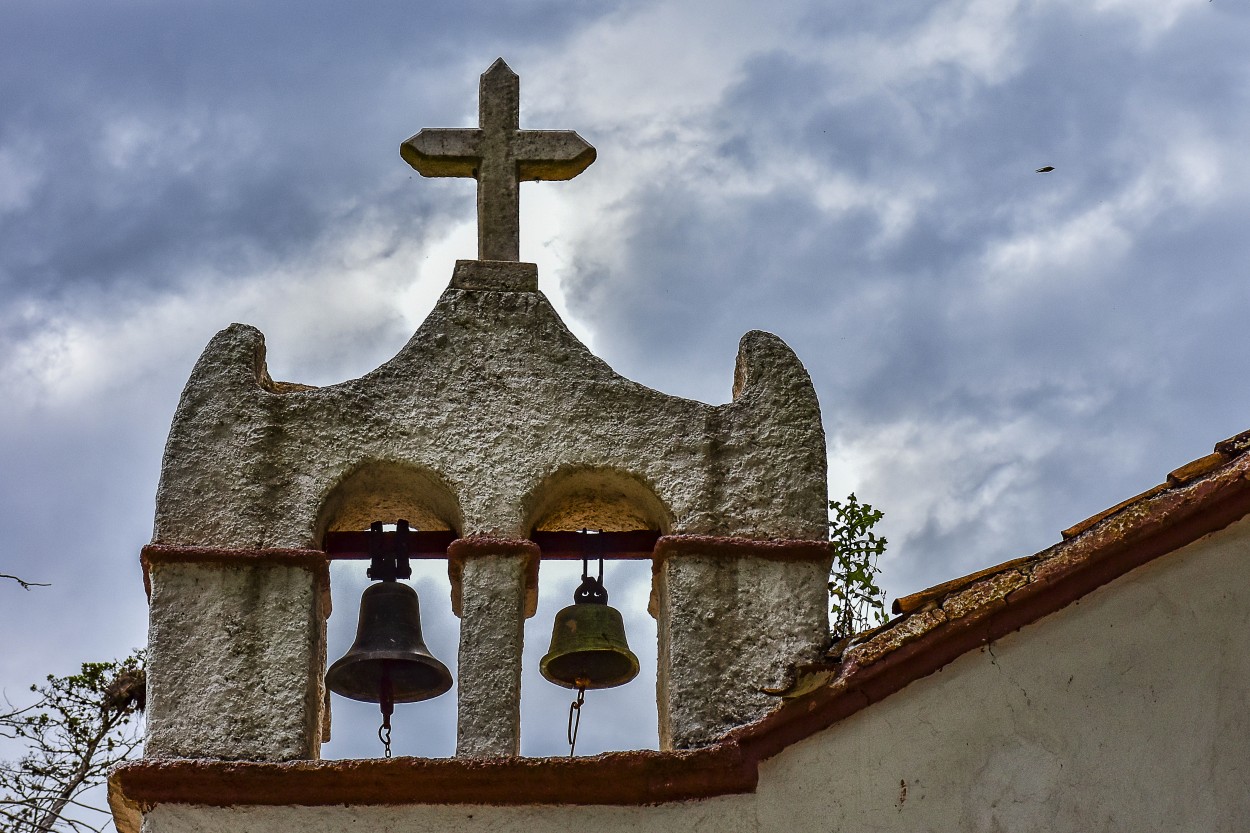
(499, 155)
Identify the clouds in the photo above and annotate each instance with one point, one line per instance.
(861, 181)
(998, 353)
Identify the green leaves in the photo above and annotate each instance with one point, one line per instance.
(858, 602)
(78, 727)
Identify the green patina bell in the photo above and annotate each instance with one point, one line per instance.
(588, 648)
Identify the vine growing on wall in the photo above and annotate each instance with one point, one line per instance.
(858, 602)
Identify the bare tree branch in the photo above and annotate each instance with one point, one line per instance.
(80, 726)
(26, 585)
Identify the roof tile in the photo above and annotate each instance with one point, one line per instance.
(983, 593)
(904, 631)
(1196, 468)
(1077, 528)
(1234, 445)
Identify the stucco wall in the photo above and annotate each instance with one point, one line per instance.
(728, 814)
(1129, 710)
(235, 659)
(491, 401)
(727, 629)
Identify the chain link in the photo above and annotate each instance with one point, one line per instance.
(384, 735)
(575, 717)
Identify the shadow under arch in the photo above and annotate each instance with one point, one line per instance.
(385, 490)
(595, 497)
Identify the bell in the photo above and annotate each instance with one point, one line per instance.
(588, 648)
(388, 652)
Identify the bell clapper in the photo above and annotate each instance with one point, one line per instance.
(575, 714)
(387, 703)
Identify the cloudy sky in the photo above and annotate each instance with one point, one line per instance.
(999, 353)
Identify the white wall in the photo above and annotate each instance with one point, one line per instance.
(1126, 711)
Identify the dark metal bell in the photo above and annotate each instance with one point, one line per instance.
(588, 648)
(388, 651)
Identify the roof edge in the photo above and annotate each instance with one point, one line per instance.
(918, 644)
(616, 778)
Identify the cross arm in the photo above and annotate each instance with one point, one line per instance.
(452, 151)
(551, 154)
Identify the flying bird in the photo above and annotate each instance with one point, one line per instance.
(1046, 169)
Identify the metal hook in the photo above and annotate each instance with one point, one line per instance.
(575, 717)
(384, 735)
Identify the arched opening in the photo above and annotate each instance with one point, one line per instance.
(387, 491)
(384, 490)
(612, 719)
(596, 498)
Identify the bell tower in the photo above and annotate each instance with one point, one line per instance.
(498, 436)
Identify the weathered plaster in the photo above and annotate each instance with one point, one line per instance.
(492, 397)
(719, 815)
(1127, 710)
(492, 636)
(728, 627)
(235, 657)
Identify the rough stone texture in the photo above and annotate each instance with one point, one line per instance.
(492, 635)
(729, 628)
(484, 415)
(495, 274)
(493, 421)
(499, 155)
(235, 657)
(1126, 711)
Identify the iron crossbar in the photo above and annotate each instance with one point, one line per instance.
(635, 544)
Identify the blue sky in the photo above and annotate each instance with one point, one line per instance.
(999, 353)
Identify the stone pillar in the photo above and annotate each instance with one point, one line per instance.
(732, 614)
(236, 653)
(494, 589)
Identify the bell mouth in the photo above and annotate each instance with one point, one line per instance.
(588, 649)
(412, 680)
(607, 668)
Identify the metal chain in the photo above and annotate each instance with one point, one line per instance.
(575, 717)
(387, 705)
(384, 735)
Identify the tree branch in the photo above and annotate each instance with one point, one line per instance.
(26, 585)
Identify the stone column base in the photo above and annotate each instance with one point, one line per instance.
(494, 590)
(236, 653)
(732, 615)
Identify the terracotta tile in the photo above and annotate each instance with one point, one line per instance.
(983, 594)
(1197, 468)
(1077, 529)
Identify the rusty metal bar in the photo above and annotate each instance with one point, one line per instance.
(354, 546)
(574, 546)
(555, 546)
